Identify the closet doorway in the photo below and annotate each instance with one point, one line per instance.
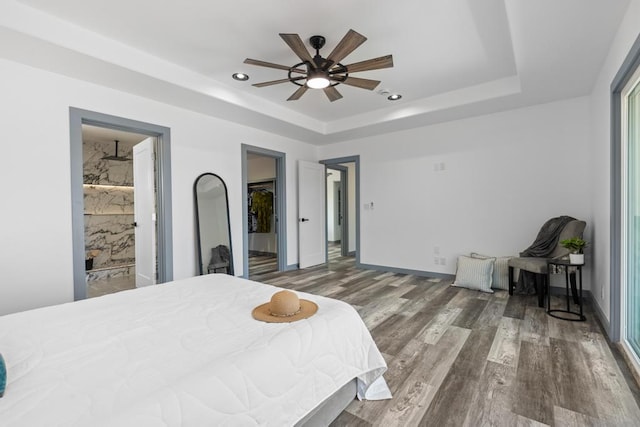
(263, 211)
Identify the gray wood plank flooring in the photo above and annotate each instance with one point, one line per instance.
(462, 358)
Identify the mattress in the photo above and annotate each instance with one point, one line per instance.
(185, 353)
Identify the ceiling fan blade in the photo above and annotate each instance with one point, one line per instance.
(348, 44)
(355, 81)
(332, 93)
(297, 94)
(265, 64)
(297, 46)
(271, 65)
(275, 82)
(369, 64)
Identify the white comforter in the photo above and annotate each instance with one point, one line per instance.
(187, 353)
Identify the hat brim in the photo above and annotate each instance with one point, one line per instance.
(262, 313)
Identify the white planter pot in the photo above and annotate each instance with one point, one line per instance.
(576, 258)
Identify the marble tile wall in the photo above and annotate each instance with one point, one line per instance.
(108, 208)
(110, 238)
(96, 170)
(100, 200)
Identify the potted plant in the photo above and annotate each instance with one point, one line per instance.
(576, 247)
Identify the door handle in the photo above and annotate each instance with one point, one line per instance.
(304, 219)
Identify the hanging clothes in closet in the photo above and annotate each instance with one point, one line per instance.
(260, 210)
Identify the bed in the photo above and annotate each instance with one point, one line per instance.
(185, 353)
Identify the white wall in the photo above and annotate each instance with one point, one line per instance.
(504, 175)
(600, 145)
(36, 255)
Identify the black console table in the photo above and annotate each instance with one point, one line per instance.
(559, 313)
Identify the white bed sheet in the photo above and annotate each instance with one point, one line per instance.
(186, 353)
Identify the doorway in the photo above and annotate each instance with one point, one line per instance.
(119, 188)
(264, 211)
(262, 214)
(348, 169)
(159, 227)
(337, 227)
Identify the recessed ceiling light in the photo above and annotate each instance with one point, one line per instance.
(394, 97)
(240, 76)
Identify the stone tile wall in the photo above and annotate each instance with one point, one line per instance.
(108, 208)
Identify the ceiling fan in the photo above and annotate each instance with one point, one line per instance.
(324, 73)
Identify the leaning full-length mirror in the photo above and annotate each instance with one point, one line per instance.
(213, 233)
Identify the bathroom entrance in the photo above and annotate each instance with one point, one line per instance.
(115, 161)
(119, 210)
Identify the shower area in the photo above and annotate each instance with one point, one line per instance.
(108, 188)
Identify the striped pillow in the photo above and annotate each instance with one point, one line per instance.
(474, 273)
(500, 270)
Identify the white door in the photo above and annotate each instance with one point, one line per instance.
(311, 214)
(144, 212)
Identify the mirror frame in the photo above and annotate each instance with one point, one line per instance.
(197, 218)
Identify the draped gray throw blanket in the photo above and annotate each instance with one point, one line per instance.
(544, 245)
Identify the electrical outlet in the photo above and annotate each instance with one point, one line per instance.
(436, 260)
(436, 250)
(443, 261)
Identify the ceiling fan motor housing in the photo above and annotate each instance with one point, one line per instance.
(317, 42)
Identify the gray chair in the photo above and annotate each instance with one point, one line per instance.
(538, 265)
(220, 256)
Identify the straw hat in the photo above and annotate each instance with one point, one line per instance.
(284, 307)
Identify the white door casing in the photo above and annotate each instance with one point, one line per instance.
(144, 212)
(311, 214)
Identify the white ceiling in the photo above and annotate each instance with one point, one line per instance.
(453, 58)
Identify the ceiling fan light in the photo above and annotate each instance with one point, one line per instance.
(317, 80)
(318, 83)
